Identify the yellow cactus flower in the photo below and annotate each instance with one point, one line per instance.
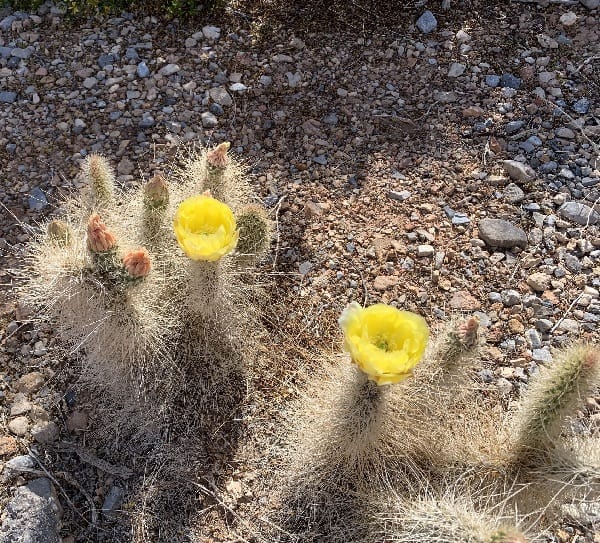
(205, 228)
(383, 341)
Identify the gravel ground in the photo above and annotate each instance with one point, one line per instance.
(449, 164)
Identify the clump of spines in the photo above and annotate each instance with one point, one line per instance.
(101, 179)
(445, 519)
(60, 233)
(255, 230)
(551, 396)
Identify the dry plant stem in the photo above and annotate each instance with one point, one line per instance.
(551, 397)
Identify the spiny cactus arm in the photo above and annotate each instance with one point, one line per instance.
(552, 395)
(255, 230)
(216, 168)
(155, 200)
(460, 341)
(100, 177)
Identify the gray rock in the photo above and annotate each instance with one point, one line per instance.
(513, 126)
(18, 464)
(90, 82)
(492, 80)
(8, 97)
(45, 432)
(533, 338)
(513, 193)
(305, 267)
(456, 69)
(501, 233)
(511, 297)
(5, 52)
(293, 79)
(590, 4)
(581, 106)
(425, 250)
(460, 219)
(221, 96)
(399, 195)
(265, 80)
(78, 126)
(510, 81)
(518, 171)
(211, 32)
(106, 60)
(321, 159)
(32, 515)
(20, 53)
(112, 501)
(579, 213)
(543, 325)
(209, 120)
(131, 54)
(37, 199)
(427, 23)
(142, 70)
(147, 122)
(541, 355)
(169, 69)
(6, 23)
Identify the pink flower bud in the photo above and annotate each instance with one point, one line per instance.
(137, 263)
(99, 238)
(217, 158)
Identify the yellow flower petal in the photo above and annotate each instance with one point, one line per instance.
(383, 341)
(205, 228)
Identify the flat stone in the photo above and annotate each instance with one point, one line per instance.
(238, 87)
(590, 4)
(90, 82)
(106, 59)
(19, 426)
(321, 160)
(20, 405)
(37, 199)
(384, 282)
(539, 281)
(169, 69)
(6, 23)
(30, 382)
(265, 80)
(565, 133)
(305, 268)
(220, 96)
(8, 97)
(501, 233)
(510, 81)
(513, 127)
(427, 22)
(211, 32)
(19, 464)
(581, 106)
(45, 432)
(400, 196)
(293, 79)
(579, 213)
(518, 171)
(541, 355)
(465, 301)
(20, 53)
(456, 69)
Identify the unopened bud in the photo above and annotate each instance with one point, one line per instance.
(137, 263)
(99, 238)
(217, 158)
(59, 232)
(467, 330)
(156, 192)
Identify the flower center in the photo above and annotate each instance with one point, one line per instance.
(382, 343)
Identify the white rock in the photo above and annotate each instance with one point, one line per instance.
(169, 69)
(238, 87)
(568, 19)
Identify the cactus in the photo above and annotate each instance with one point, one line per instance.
(101, 180)
(552, 395)
(255, 230)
